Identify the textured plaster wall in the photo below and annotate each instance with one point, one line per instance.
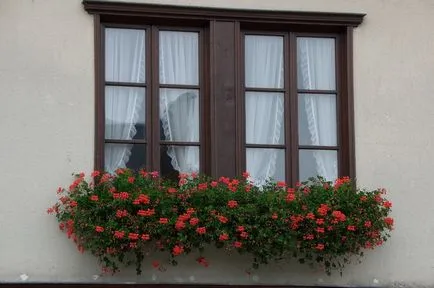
(46, 128)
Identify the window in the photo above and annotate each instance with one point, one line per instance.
(224, 91)
(268, 84)
(152, 111)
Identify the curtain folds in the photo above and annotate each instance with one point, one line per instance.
(264, 111)
(125, 62)
(179, 108)
(316, 71)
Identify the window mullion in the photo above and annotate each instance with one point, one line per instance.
(148, 99)
(155, 113)
(292, 124)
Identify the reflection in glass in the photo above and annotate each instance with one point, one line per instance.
(179, 57)
(318, 163)
(264, 118)
(125, 55)
(132, 156)
(179, 114)
(317, 119)
(316, 63)
(124, 113)
(265, 164)
(264, 61)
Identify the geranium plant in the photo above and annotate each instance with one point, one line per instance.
(121, 217)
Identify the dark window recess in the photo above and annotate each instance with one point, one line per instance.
(222, 91)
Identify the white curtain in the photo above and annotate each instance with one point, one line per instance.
(179, 108)
(264, 111)
(316, 71)
(124, 62)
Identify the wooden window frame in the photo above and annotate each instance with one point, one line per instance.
(152, 141)
(223, 146)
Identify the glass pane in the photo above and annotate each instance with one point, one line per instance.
(316, 63)
(179, 115)
(318, 163)
(179, 58)
(264, 61)
(265, 164)
(179, 159)
(132, 156)
(317, 119)
(264, 118)
(125, 55)
(125, 113)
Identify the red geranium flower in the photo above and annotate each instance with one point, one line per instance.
(339, 215)
(133, 236)
(164, 221)
(322, 210)
(194, 221)
(238, 244)
(319, 247)
(171, 190)
(351, 228)
(387, 204)
(145, 237)
(201, 230)
(177, 250)
(319, 230)
(223, 219)
(223, 237)
(388, 221)
(190, 211)
(119, 234)
(99, 229)
(320, 221)
(232, 203)
(281, 184)
(95, 173)
(179, 225)
(308, 237)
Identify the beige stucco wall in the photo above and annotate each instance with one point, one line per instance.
(47, 121)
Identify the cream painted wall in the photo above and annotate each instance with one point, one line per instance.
(46, 128)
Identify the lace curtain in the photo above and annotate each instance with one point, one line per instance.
(264, 110)
(316, 71)
(125, 62)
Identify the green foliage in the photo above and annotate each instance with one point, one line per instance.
(120, 218)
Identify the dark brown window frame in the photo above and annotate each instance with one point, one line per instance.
(223, 28)
(152, 141)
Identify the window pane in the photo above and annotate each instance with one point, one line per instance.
(179, 159)
(179, 58)
(124, 113)
(317, 119)
(179, 115)
(125, 55)
(316, 63)
(131, 156)
(263, 164)
(264, 61)
(318, 163)
(264, 118)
